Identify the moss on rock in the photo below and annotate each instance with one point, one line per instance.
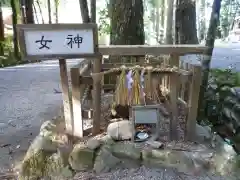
(81, 157)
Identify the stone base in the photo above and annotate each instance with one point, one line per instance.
(51, 156)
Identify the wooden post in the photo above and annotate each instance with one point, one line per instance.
(96, 93)
(193, 102)
(76, 103)
(67, 105)
(174, 61)
(173, 105)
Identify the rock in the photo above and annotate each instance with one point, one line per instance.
(203, 133)
(81, 157)
(155, 144)
(55, 166)
(93, 143)
(106, 140)
(35, 159)
(121, 130)
(126, 150)
(105, 161)
(54, 132)
(184, 161)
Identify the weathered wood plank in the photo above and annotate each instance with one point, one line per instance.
(67, 105)
(173, 106)
(77, 91)
(136, 50)
(96, 94)
(193, 103)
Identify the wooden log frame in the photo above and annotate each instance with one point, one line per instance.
(193, 103)
(77, 93)
(173, 79)
(136, 50)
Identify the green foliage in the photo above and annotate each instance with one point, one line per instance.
(229, 10)
(220, 82)
(104, 24)
(8, 58)
(6, 3)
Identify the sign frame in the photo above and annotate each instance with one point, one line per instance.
(22, 28)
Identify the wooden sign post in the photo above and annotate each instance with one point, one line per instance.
(60, 41)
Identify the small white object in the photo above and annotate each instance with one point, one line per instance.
(142, 135)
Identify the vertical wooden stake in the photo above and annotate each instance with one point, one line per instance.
(174, 61)
(67, 105)
(76, 103)
(173, 105)
(96, 97)
(193, 103)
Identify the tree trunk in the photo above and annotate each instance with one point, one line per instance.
(35, 12)
(162, 19)
(40, 10)
(93, 11)
(207, 58)
(157, 30)
(29, 12)
(169, 22)
(23, 12)
(56, 3)
(1, 32)
(127, 22)
(15, 9)
(49, 12)
(202, 28)
(186, 30)
(84, 11)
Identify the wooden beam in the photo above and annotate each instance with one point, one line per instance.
(67, 105)
(96, 93)
(173, 106)
(84, 69)
(76, 103)
(193, 103)
(116, 65)
(136, 50)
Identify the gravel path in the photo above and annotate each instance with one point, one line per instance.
(27, 98)
(145, 173)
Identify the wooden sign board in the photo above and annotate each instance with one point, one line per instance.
(57, 41)
(148, 114)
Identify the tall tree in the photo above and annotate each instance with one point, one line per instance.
(93, 11)
(202, 28)
(169, 22)
(15, 14)
(35, 12)
(40, 10)
(127, 26)
(56, 3)
(157, 30)
(207, 60)
(49, 12)
(186, 30)
(84, 11)
(23, 11)
(1, 31)
(29, 12)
